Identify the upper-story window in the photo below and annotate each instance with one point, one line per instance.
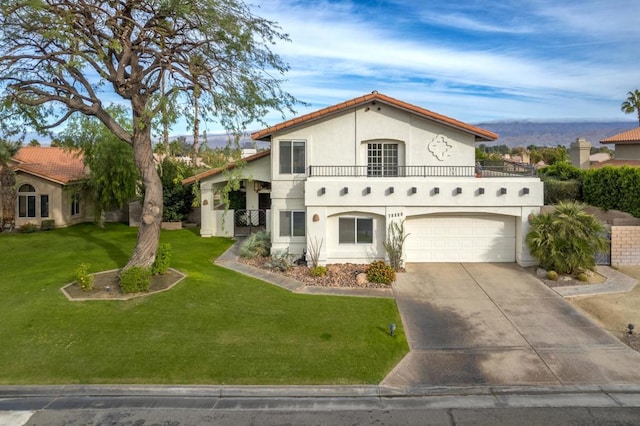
(292, 157)
(382, 159)
(26, 201)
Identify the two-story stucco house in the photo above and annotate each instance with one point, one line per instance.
(338, 177)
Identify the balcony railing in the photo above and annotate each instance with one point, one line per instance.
(482, 170)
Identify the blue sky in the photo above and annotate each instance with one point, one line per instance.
(474, 60)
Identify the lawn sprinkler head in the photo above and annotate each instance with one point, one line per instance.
(630, 327)
(392, 329)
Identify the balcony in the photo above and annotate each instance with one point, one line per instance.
(485, 170)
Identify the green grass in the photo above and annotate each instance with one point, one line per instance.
(215, 327)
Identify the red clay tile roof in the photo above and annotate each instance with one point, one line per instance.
(616, 163)
(481, 134)
(229, 166)
(629, 137)
(50, 163)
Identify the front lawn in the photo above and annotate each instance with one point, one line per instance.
(215, 327)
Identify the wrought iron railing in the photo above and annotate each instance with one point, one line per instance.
(481, 170)
(246, 222)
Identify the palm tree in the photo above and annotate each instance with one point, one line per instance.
(567, 239)
(7, 183)
(632, 104)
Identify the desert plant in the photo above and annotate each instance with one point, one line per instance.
(318, 271)
(83, 278)
(394, 244)
(567, 239)
(256, 245)
(280, 260)
(135, 279)
(582, 276)
(314, 246)
(162, 260)
(380, 272)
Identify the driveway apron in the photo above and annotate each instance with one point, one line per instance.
(495, 324)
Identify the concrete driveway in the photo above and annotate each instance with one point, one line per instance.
(495, 324)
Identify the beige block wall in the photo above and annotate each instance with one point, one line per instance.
(625, 245)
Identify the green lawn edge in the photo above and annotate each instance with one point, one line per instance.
(215, 327)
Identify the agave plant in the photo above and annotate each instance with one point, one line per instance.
(567, 239)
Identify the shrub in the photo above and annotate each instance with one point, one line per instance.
(380, 272)
(280, 260)
(556, 191)
(83, 278)
(314, 247)
(318, 271)
(135, 279)
(163, 259)
(561, 171)
(613, 188)
(256, 245)
(567, 239)
(552, 275)
(29, 228)
(48, 225)
(582, 276)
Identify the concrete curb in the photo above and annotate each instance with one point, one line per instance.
(616, 282)
(316, 398)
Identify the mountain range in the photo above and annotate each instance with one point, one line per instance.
(525, 133)
(511, 133)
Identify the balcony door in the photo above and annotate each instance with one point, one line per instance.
(382, 159)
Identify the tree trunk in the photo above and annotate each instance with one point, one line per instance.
(144, 252)
(196, 128)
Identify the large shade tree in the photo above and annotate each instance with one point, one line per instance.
(58, 57)
(632, 104)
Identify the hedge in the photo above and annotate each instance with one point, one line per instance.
(613, 188)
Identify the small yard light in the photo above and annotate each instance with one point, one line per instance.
(392, 329)
(630, 328)
(108, 289)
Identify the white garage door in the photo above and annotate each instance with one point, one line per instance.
(461, 238)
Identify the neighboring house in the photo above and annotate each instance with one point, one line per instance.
(338, 177)
(46, 184)
(627, 149)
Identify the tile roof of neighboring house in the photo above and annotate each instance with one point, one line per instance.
(629, 137)
(51, 163)
(616, 163)
(481, 134)
(229, 166)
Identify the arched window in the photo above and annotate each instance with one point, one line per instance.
(26, 201)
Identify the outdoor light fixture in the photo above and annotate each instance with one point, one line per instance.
(323, 190)
(436, 190)
(392, 329)
(630, 328)
(345, 190)
(391, 190)
(414, 189)
(367, 190)
(458, 190)
(525, 191)
(503, 191)
(480, 191)
(108, 289)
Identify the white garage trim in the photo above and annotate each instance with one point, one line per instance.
(460, 238)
